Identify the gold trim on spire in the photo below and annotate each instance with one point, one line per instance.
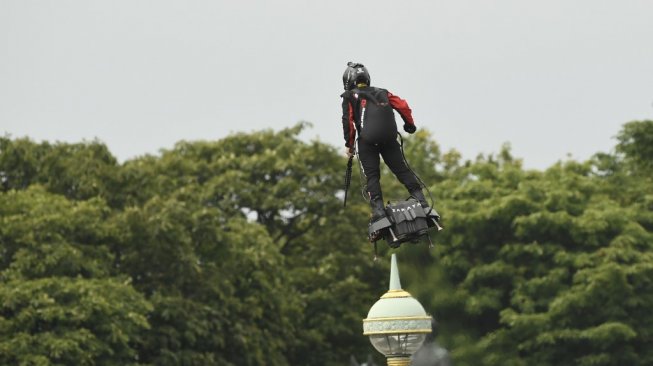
(395, 294)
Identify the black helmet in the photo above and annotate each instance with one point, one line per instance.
(354, 74)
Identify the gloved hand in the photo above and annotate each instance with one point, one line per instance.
(349, 152)
(410, 128)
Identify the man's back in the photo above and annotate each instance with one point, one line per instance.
(373, 114)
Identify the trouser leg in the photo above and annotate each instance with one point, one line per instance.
(369, 158)
(391, 153)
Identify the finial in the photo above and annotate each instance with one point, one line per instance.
(395, 283)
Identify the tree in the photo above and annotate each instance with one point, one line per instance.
(636, 143)
(541, 268)
(78, 171)
(238, 252)
(60, 302)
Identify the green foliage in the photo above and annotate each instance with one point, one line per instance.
(71, 321)
(636, 143)
(220, 253)
(60, 302)
(78, 171)
(238, 252)
(543, 268)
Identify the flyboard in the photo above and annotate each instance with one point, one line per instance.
(405, 221)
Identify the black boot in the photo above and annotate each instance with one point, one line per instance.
(378, 209)
(419, 195)
(379, 221)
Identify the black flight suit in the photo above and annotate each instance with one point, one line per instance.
(370, 112)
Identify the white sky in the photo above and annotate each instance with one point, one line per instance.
(552, 78)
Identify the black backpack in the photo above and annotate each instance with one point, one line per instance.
(376, 116)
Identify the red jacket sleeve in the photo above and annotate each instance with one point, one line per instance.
(348, 127)
(402, 107)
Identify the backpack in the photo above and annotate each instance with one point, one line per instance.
(376, 116)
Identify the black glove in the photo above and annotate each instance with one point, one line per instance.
(410, 128)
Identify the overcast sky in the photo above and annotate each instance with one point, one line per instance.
(551, 78)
